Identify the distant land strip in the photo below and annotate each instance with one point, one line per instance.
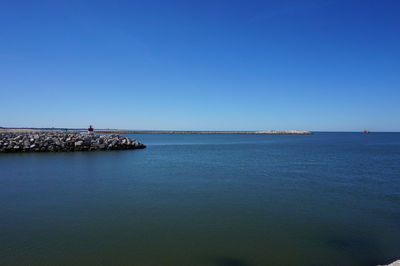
(126, 131)
(272, 132)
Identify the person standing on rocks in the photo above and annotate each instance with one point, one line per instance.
(90, 130)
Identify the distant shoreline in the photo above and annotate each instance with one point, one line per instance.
(121, 131)
(273, 132)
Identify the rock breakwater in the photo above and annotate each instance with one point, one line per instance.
(42, 141)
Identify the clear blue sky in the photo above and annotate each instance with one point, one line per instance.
(201, 65)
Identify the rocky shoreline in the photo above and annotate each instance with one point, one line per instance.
(58, 141)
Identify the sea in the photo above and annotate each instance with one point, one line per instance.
(206, 199)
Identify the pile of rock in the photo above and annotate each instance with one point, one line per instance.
(51, 141)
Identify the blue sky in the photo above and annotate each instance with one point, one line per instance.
(201, 65)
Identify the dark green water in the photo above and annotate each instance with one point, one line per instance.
(323, 199)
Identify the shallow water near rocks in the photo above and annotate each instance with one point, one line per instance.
(321, 199)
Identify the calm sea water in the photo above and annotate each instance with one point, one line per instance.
(323, 199)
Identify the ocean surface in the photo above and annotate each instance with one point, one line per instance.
(238, 200)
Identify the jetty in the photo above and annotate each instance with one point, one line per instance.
(271, 132)
(59, 141)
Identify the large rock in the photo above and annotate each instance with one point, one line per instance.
(78, 143)
(396, 263)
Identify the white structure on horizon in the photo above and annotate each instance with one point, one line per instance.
(90, 130)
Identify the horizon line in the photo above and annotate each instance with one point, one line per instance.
(173, 130)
